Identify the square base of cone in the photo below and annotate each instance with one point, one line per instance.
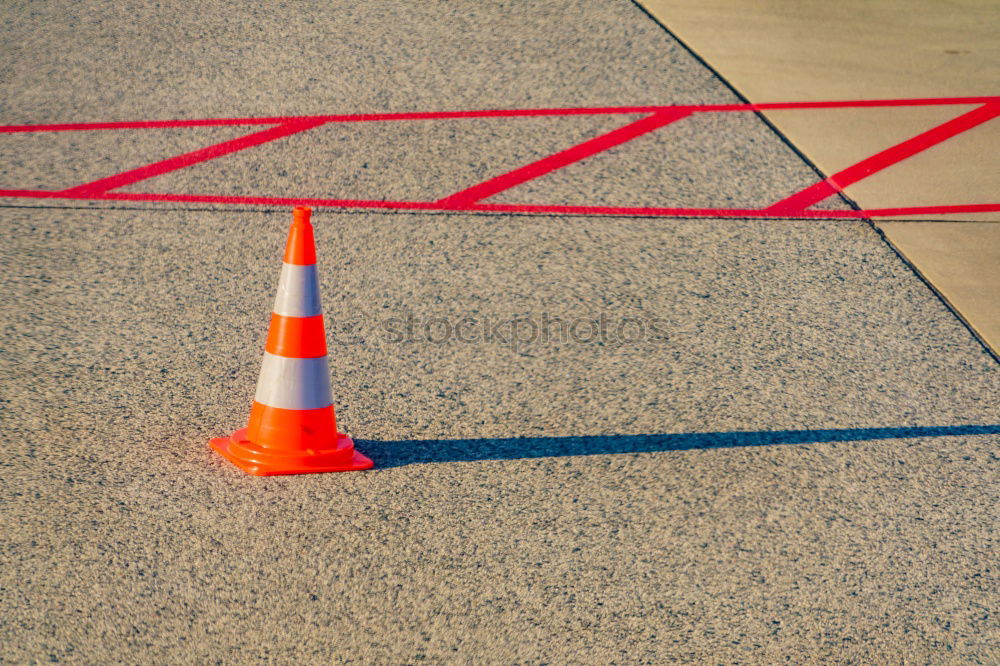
(300, 464)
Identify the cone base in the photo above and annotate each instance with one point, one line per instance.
(254, 460)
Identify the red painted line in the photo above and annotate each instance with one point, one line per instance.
(914, 211)
(864, 103)
(225, 199)
(188, 159)
(852, 174)
(734, 212)
(630, 211)
(33, 194)
(792, 207)
(561, 159)
(489, 113)
(366, 117)
(634, 211)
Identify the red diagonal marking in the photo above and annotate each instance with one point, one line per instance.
(186, 160)
(578, 152)
(852, 174)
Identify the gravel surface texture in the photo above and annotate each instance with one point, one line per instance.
(597, 440)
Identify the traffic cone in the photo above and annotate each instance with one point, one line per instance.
(293, 428)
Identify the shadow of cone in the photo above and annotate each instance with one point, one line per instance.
(293, 427)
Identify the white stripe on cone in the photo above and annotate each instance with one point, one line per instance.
(298, 291)
(294, 383)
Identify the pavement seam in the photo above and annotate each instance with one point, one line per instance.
(995, 354)
(744, 99)
(941, 297)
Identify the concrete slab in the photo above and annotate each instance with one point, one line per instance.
(955, 172)
(817, 51)
(813, 50)
(852, 135)
(964, 169)
(961, 261)
(773, 51)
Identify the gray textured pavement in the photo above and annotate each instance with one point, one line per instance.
(523, 508)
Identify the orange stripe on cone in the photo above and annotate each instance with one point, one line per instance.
(296, 337)
(295, 373)
(279, 429)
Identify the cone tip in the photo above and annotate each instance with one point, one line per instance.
(301, 247)
(300, 214)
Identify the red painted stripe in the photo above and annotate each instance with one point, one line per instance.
(489, 113)
(369, 117)
(852, 174)
(914, 211)
(863, 103)
(262, 201)
(561, 159)
(188, 159)
(642, 211)
(635, 211)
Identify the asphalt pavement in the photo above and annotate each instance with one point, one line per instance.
(596, 439)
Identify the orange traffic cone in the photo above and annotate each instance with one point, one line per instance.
(293, 428)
